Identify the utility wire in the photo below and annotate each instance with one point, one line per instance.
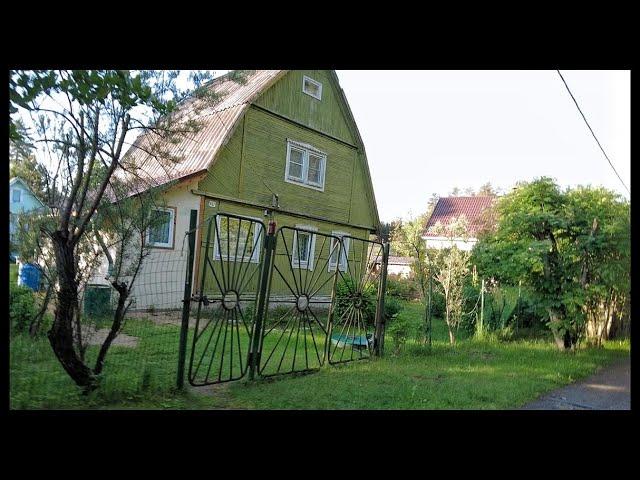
(591, 130)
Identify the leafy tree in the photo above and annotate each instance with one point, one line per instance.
(84, 119)
(567, 246)
(451, 271)
(407, 240)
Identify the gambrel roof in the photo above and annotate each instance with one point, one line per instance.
(197, 152)
(448, 208)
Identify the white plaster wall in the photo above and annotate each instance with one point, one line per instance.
(402, 270)
(444, 242)
(160, 281)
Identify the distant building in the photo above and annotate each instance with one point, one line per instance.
(449, 208)
(21, 200)
(399, 266)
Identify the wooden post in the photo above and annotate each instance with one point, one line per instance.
(378, 342)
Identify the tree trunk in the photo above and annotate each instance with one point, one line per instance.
(115, 326)
(452, 339)
(61, 333)
(553, 325)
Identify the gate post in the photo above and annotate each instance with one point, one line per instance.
(378, 339)
(256, 340)
(186, 300)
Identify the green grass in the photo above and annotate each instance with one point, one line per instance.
(470, 375)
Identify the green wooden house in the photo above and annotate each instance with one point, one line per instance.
(283, 143)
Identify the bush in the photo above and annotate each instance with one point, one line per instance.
(345, 289)
(399, 328)
(404, 288)
(22, 307)
(392, 307)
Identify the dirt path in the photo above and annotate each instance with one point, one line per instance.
(608, 389)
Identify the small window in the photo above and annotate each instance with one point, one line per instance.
(343, 253)
(311, 87)
(16, 195)
(238, 240)
(304, 243)
(161, 228)
(305, 165)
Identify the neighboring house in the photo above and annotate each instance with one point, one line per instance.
(289, 134)
(399, 266)
(449, 208)
(21, 200)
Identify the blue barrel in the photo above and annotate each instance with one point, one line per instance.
(29, 276)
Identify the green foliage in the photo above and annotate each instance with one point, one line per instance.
(402, 288)
(22, 307)
(399, 328)
(346, 295)
(570, 248)
(392, 307)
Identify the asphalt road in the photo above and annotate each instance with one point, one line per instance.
(608, 389)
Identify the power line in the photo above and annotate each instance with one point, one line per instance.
(591, 130)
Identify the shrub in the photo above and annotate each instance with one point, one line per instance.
(345, 289)
(22, 307)
(392, 307)
(404, 288)
(399, 329)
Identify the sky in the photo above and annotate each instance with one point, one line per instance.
(426, 132)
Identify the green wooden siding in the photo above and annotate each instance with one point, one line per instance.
(287, 98)
(253, 163)
(279, 287)
(224, 177)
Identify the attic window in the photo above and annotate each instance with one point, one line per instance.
(16, 195)
(311, 87)
(305, 165)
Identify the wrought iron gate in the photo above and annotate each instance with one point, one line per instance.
(278, 302)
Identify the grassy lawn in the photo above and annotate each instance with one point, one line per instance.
(472, 375)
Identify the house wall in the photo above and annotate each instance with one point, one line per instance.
(28, 203)
(252, 165)
(279, 288)
(445, 242)
(253, 162)
(403, 270)
(160, 282)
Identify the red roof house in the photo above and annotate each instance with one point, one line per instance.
(449, 208)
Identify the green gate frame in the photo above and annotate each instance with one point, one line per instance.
(230, 295)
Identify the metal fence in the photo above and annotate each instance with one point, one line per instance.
(266, 302)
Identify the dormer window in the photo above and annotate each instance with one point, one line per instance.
(311, 87)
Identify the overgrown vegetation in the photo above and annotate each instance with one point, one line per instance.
(570, 249)
(473, 374)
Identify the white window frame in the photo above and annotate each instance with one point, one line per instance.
(306, 79)
(255, 253)
(172, 226)
(304, 181)
(19, 190)
(347, 244)
(308, 264)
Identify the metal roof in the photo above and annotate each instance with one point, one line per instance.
(448, 208)
(153, 160)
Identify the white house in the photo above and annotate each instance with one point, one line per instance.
(449, 208)
(399, 266)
